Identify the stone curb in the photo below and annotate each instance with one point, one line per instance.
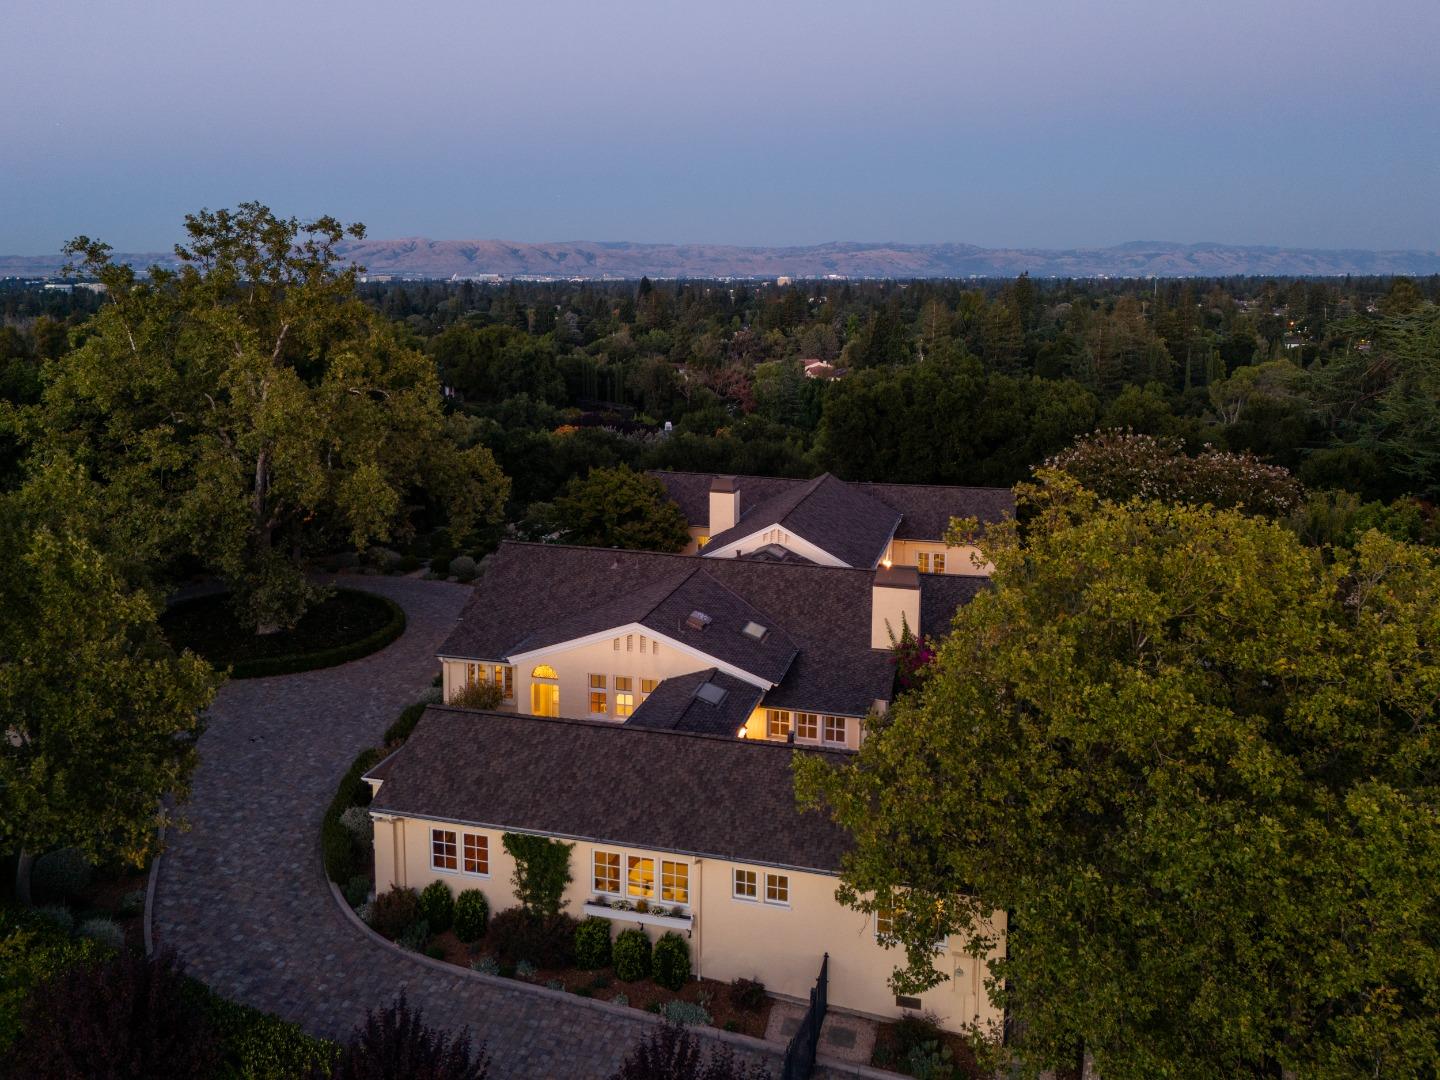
(734, 1038)
(151, 880)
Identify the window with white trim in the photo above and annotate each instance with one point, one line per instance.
(624, 696)
(744, 885)
(477, 854)
(599, 703)
(777, 889)
(675, 882)
(606, 874)
(807, 725)
(777, 723)
(640, 877)
(443, 855)
(835, 730)
(885, 928)
(939, 563)
(922, 562)
(647, 687)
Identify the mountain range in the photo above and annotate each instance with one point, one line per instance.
(422, 258)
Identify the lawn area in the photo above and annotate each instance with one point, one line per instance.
(346, 625)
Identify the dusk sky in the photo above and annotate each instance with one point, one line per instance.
(1308, 123)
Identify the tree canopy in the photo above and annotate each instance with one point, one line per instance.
(249, 407)
(620, 508)
(1197, 764)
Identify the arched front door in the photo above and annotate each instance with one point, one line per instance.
(544, 691)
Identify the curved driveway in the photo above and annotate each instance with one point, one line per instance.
(241, 896)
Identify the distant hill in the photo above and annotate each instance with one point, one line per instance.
(418, 257)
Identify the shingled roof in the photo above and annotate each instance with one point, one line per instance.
(830, 513)
(818, 617)
(709, 702)
(925, 509)
(702, 795)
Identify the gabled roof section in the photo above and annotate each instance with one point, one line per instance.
(925, 509)
(723, 636)
(706, 702)
(724, 798)
(828, 512)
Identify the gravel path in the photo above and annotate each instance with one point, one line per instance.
(241, 896)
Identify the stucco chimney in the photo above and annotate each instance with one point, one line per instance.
(724, 504)
(894, 603)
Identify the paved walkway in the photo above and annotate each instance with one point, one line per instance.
(241, 896)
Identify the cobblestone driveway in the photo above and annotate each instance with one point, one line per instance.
(241, 895)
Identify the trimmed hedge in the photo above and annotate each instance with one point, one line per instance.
(400, 730)
(344, 858)
(437, 906)
(632, 955)
(472, 915)
(324, 658)
(671, 961)
(260, 1046)
(592, 944)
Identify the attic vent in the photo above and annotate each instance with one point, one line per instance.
(756, 631)
(710, 693)
(697, 620)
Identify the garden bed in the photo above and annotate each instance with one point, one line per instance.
(345, 626)
(950, 1053)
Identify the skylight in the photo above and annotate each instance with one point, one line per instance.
(710, 693)
(756, 631)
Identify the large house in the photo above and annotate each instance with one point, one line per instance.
(650, 707)
(699, 834)
(760, 649)
(832, 522)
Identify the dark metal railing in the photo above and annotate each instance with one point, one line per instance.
(800, 1054)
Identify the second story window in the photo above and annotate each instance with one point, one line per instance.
(745, 886)
(599, 704)
(647, 687)
(939, 563)
(807, 726)
(777, 889)
(777, 724)
(922, 562)
(835, 730)
(624, 695)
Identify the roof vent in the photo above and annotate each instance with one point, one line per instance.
(755, 631)
(710, 693)
(697, 620)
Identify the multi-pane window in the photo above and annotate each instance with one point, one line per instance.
(477, 854)
(675, 882)
(443, 855)
(777, 889)
(835, 729)
(599, 704)
(624, 695)
(745, 886)
(640, 877)
(807, 725)
(939, 563)
(505, 679)
(777, 723)
(922, 562)
(647, 687)
(607, 871)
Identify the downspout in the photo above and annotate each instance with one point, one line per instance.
(697, 925)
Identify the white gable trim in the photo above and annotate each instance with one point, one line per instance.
(637, 628)
(797, 543)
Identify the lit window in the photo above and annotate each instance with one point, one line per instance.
(640, 877)
(597, 682)
(922, 562)
(777, 723)
(885, 927)
(807, 725)
(543, 671)
(835, 729)
(675, 882)
(701, 541)
(607, 872)
(474, 674)
(647, 687)
(777, 889)
(598, 703)
(442, 850)
(477, 854)
(939, 563)
(624, 703)
(745, 885)
(504, 677)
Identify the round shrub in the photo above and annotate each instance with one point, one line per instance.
(357, 890)
(360, 825)
(472, 915)
(462, 567)
(592, 944)
(632, 955)
(60, 875)
(103, 931)
(437, 906)
(394, 911)
(671, 961)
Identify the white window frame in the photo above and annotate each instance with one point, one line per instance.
(939, 562)
(735, 894)
(922, 561)
(475, 873)
(789, 723)
(766, 897)
(799, 732)
(454, 841)
(940, 945)
(660, 884)
(825, 738)
(619, 872)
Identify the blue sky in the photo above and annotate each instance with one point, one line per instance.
(1039, 124)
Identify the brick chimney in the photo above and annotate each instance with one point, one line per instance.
(894, 603)
(724, 504)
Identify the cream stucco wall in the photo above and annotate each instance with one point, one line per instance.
(958, 560)
(758, 727)
(781, 945)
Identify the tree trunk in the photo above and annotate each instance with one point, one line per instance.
(262, 527)
(23, 865)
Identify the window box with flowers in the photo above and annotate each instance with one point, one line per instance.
(642, 912)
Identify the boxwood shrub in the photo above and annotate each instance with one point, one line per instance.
(395, 911)
(472, 915)
(437, 906)
(671, 961)
(632, 955)
(592, 943)
(547, 941)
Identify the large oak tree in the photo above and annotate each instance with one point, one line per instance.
(249, 407)
(1198, 765)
